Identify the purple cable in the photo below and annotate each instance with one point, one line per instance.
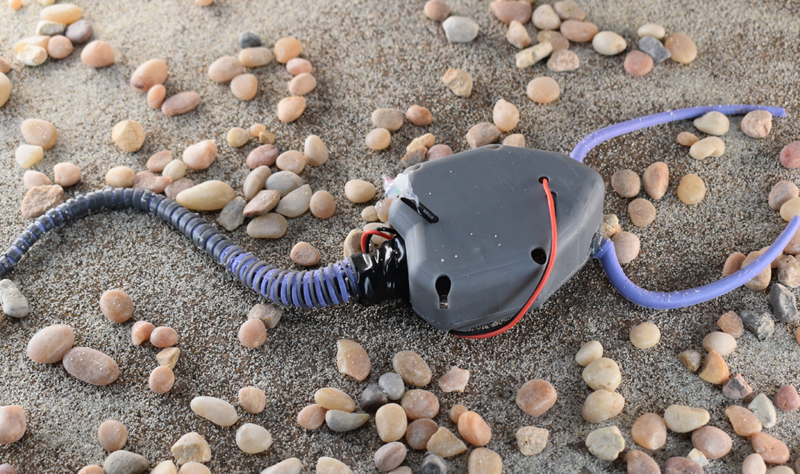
(595, 138)
(680, 299)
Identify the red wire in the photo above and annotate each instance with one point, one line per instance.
(542, 282)
(366, 235)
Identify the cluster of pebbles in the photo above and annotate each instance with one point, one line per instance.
(61, 27)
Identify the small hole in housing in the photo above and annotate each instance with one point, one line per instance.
(493, 147)
(539, 256)
(443, 290)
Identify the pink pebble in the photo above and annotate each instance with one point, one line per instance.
(638, 63)
(438, 151)
(163, 337)
(141, 331)
(787, 398)
(298, 66)
(790, 155)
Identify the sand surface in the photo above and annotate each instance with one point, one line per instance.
(368, 55)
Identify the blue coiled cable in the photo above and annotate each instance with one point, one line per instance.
(327, 286)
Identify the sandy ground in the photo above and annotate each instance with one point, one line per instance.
(368, 55)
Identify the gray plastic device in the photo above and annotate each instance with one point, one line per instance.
(483, 258)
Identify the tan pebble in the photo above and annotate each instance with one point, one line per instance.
(257, 129)
(40, 41)
(454, 381)
(715, 369)
(204, 3)
(95, 469)
(609, 43)
(482, 134)
(645, 335)
(710, 146)
(156, 96)
(269, 226)
(151, 182)
(518, 35)
(352, 243)
(626, 183)
(200, 155)
(191, 447)
(484, 461)
(420, 404)
(352, 359)
(180, 103)
(458, 81)
(603, 373)
(263, 202)
(120, 177)
(588, 353)
(754, 464)
(426, 141)
(66, 174)
(602, 405)
(578, 31)
(39, 199)
(244, 86)
(437, 10)
(298, 66)
(291, 160)
(163, 336)
(419, 116)
(790, 209)
(168, 357)
(215, 410)
(390, 456)
(543, 90)
(39, 132)
(733, 264)
(789, 271)
(691, 360)
(412, 368)
(59, 47)
(649, 431)
(390, 119)
(474, 430)
(687, 138)
(287, 49)
(691, 189)
(414, 157)
(508, 11)
(322, 205)
(516, 140)
(302, 84)
(731, 323)
(50, 344)
(379, 139)
(419, 432)
(315, 151)
(128, 135)
(610, 226)
(656, 180)
(5, 88)
(556, 40)
(335, 399)
(97, 54)
(5, 66)
(782, 192)
(116, 305)
(12, 424)
(369, 214)
(531, 440)
(756, 124)
(304, 254)
(255, 57)
(530, 56)
(112, 435)
(606, 443)
(161, 379)
(358, 191)
(683, 419)
(66, 13)
(149, 74)
(326, 465)
(638, 462)
(90, 366)
(291, 108)
(15, 4)
(626, 246)
(505, 115)
(721, 342)
(455, 412)
(391, 422)
(140, 332)
(194, 467)
(761, 281)
(642, 212)
(651, 29)
(175, 170)
(744, 422)
(252, 333)
(681, 48)
(311, 417)
(536, 397)
(771, 449)
(224, 69)
(445, 444)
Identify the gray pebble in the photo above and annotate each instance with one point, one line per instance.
(284, 182)
(654, 48)
(373, 398)
(340, 421)
(248, 39)
(432, 464)
(784, 303)
(79, 32)
(459, 29)
(232, 215)
(760, 324)
(296, 202)
(392, 384)
(124, 462)
(14, 302)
